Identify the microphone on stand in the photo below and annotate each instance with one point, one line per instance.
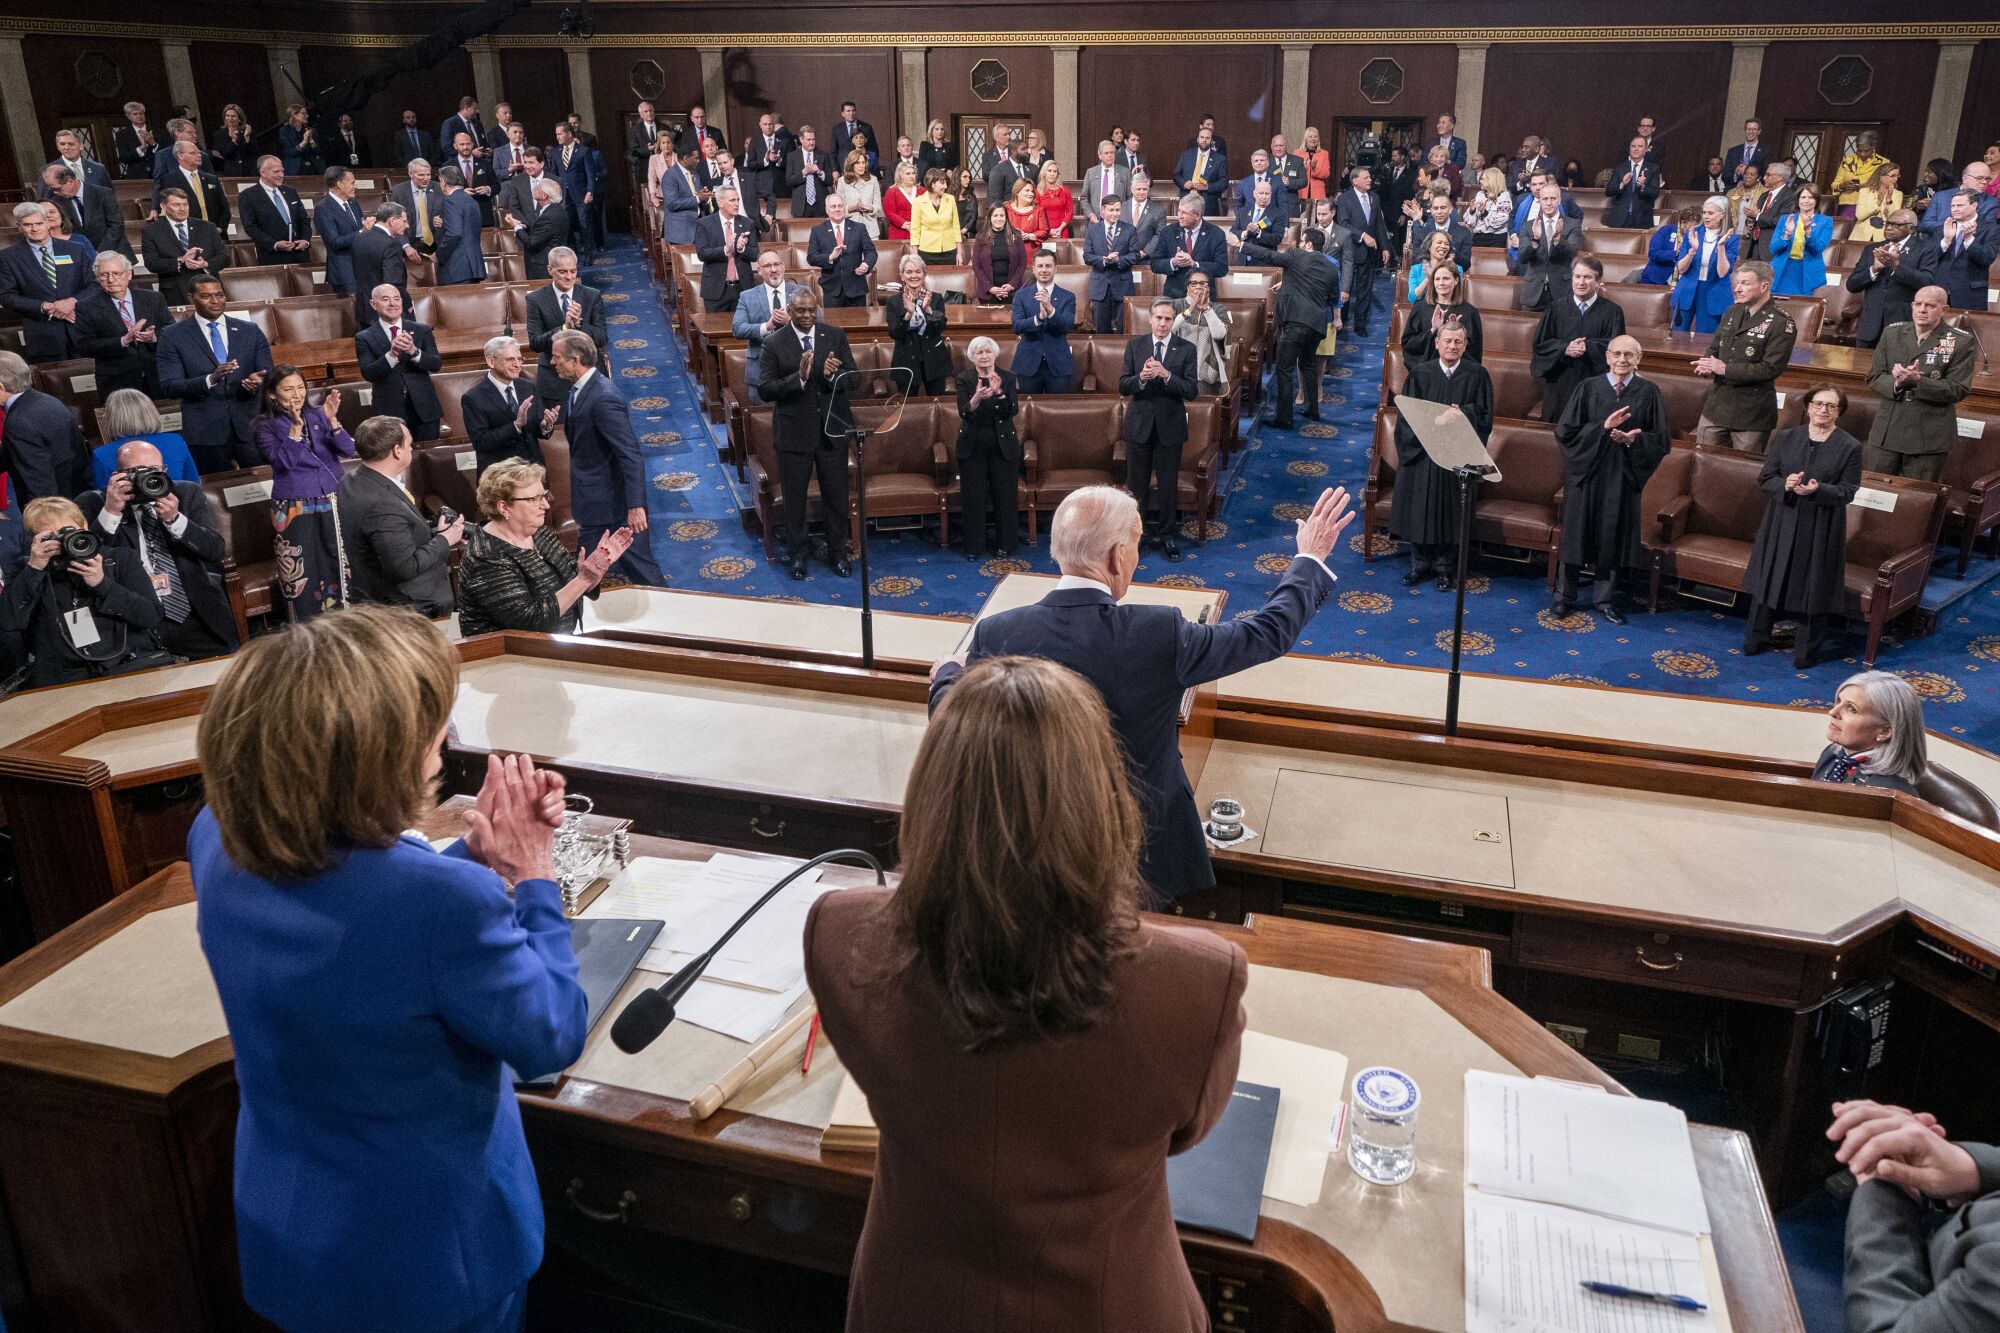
(650, 1011)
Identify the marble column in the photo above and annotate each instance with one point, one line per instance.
(714, 95)
(485, 76)
(916, 91)
(1471, 94)
(1954, 68)
(181, 86)
(1066, 110)
(1746, 74)
(18, 102)
(1292, 103)
(287, 84)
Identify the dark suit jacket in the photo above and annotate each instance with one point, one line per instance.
(300, 157)
(1110, 277)
(458, 257)
(1211, 255)
(1632, 205)
(1157, 406)
(403, 387)
(1917, 1267)
(101, 330)
(795, 182)
(411, 142)
(927, 354)
(837, 275)
(688, 140)
(1886, 296)
(378, 258)
(453, 126)
(639, 143)
(517, 192)
(197, 554)
(546, 231)
(1545, 263)
(1071, 1135)
(842, 134)
(43, 448)
(545, 321)
(583, 175)
(161, 250)
(1267, 230)
(94, 215)
(491, 426)
(1141, 659)
(340, 152)
(799, 408)
(1044, 345)
(24, 287)
(134, 162)
(431, 203)
(714, 250)
(481, 175)
(213, 195)
(123, 606)
(265, 227)
(394, 555)
(1742, 153)
(991, 424)
(1347, 213)
(1962, 270)
(216, 420)
(339, 225)
(607, 473)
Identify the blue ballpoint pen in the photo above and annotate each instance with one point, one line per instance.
(1656, 1297)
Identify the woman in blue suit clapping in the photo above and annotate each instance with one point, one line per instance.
(1798, 267)
(376, 990)
(1703, 260)
(1664, 249)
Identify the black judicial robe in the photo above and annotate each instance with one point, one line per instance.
(1561, 324)
(1799, 560)
(1424, 508)
(1420, 339)
(1601, 477)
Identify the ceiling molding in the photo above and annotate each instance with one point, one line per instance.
(1646, 35)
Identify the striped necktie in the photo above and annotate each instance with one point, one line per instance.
(49, 264)
(173, 597)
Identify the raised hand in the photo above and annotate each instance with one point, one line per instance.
(1319, 532)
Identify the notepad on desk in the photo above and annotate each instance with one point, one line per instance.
(1565, 1185)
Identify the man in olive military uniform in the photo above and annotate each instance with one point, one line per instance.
(1748, 353)
(1921, 370)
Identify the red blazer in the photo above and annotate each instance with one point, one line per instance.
(1025, 1188)
(896, 212)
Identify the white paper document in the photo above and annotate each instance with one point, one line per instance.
(1310, 1081)
(1525, 1264)
(1620, 1157)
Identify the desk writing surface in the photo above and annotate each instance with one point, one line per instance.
(1755, 866)
(832, 747)
(1949, 888)
(25, 714)
(133, 749)
(796, 625)
(145, 989)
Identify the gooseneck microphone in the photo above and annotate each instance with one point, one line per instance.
(650, 1011)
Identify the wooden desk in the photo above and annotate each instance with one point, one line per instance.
(334, 360)
(154, 1131)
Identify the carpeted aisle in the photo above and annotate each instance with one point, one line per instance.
(1688, 648)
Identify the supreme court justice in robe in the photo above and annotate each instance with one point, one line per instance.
(1798, 564)
(1012, 957)
(1613, 435)
(1143, 658)
(1575, 331)
(1424, 507)
(800, 363)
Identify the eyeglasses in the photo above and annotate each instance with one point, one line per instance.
(1830, 407)
(538, 498)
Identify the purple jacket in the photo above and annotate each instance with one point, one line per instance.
(310, 466)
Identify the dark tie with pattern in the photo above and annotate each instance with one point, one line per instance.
(173, 599)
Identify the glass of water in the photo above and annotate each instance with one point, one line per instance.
(1382, 1126)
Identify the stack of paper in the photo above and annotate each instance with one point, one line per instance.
(852, 1126)
(1567, 1185)
(761, 972)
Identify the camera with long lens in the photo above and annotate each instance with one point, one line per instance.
(73, 546)
(1368, 153)
(149, 484)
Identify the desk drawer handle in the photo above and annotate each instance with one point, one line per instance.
(619, 1214)
(757, 827)
(738, 1208)
(1657, 967)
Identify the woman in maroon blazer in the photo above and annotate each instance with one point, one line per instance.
(1032, 1052)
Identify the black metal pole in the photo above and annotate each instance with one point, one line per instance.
(1465, 480)
(860, 439)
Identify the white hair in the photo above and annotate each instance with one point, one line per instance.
(546, 188)
(416, 162)
(495, 346)
(561, 253)
(1717, 201)
(982, 344)
(24, 212)
(1896, 706)
(1089, 524)
(112, 258)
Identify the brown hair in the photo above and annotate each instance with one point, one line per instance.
(1020, 841)
(378, 437)
(315, 738)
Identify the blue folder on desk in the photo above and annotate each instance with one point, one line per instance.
(1218, 1185)
(608, 950)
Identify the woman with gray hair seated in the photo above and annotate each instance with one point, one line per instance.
(1876, 730)
(130, 416)
(989, 450)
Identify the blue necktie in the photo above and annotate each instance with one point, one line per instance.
(215, 342)
(573, 390)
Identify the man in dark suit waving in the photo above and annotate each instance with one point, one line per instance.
(607, 478)
(1142, 658)
(1157, 380)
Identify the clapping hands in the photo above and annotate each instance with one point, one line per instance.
(511, 827)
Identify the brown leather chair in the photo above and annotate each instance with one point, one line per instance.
(1488, 262)
(452, 386)
(1070, 441)
(1955, 795)
(1705, 531)
(734, 405)
(1889, 554)
(1681, 393)
(264, 315)
(555, 458)
(767, 496)
(960, 339)
(299, 280)
(1201, 462)
(1972, 471)
(240, 503)
(318, 319)
(908, 469)
(1100, 362)
(1607, 241)
(1076, 281)
(1524, 508)
(447, 474)
(464, 307)
(1808, 314)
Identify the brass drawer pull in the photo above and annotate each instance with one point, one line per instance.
(1657, 967)
(757, 827)
(738, 1207)
(619, 1214)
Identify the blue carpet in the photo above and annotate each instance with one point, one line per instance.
(1688, 648)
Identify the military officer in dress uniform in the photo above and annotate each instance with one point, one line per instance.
(1921, 369)
(1749, 351)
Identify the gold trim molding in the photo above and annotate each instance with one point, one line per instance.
(1650, 36)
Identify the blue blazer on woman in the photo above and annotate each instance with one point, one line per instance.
(1660, 256)
(1800, 277)
(1716, 297)
(382, 1180)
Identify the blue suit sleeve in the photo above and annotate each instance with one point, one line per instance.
(504, 973)
(1210, 652)
(614, 423)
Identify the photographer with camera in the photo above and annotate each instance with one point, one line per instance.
(163, 527)
(394, 554)
(81, 611)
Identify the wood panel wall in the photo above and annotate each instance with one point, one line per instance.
(809, 85)
(1980, 125)
(238, 72)
(1163, 92)
(536, 84)
(1534, 89)
(1430, 85)
(60, 98)
(1031, 88)
(433, 93)
(1900, 96)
